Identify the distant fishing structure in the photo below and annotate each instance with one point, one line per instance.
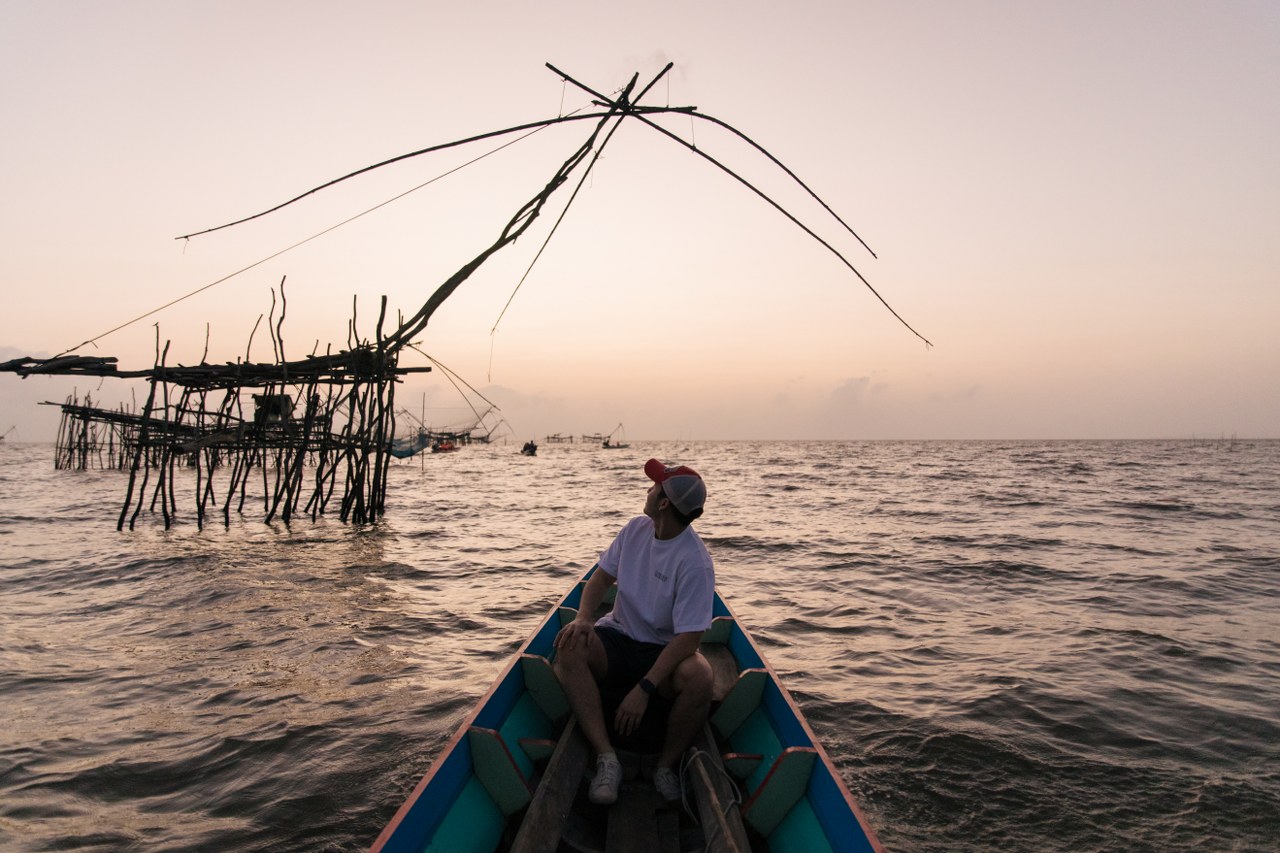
(324, 425)
(481, 430)
(611, 443)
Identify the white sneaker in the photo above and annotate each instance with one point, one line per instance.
(604, 787)
(667, 783)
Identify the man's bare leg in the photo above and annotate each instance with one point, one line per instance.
(577, 670)
(692, 682)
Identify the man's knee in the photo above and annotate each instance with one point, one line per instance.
(588, 657)
(694, 676)
(568, 660)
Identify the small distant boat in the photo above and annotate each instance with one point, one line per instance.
(444, 445)
(513, 776)
(530, 448)
(610, 444)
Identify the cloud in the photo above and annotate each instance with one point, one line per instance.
(854, 392)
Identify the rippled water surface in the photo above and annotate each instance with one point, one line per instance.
(1034, 646)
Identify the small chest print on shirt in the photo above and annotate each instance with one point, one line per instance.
(657, 573)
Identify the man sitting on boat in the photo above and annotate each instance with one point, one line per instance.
(666, 585)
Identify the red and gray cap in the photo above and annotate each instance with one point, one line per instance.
(681, 484)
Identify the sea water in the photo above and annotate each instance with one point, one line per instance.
(1039, 646)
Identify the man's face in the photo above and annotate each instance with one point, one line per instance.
(651, 501)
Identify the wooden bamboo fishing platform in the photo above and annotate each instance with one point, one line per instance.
(299, 430)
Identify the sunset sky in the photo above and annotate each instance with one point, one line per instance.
(1076, 203)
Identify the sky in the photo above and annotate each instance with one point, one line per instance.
(1074, 202)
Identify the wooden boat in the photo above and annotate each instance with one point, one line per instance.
(513, 777)
(610, 444)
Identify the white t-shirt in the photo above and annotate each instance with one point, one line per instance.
(665, 586)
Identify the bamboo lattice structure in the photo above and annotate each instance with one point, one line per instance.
(289, 433)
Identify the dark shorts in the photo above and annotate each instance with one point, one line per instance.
(629, 660)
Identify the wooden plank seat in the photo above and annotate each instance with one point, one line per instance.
(718, 633)
(783, 786)
(740, 700)
(541, 681)
(497, 769)
(504, 757)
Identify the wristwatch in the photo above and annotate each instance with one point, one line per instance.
(647, 686)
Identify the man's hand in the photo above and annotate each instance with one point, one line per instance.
(630, 710)
(577, 633)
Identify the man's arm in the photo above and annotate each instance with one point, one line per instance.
(583, 625)
(677, 650)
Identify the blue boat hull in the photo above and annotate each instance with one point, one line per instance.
(486, 781)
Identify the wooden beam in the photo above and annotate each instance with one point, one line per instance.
(717, 800)
(552, 801)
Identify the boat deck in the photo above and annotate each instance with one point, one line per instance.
(561, 818)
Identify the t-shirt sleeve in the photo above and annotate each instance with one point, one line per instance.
(695, 592)
(611, 557)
